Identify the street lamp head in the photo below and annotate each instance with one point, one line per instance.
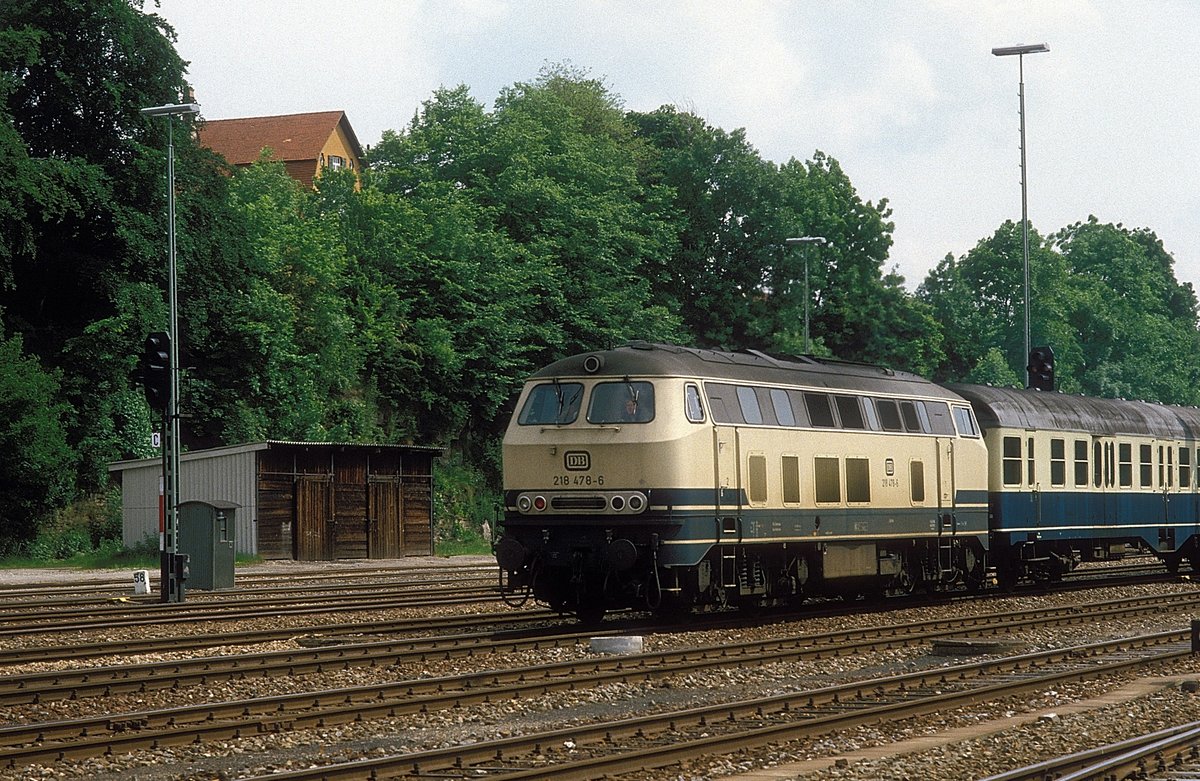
(806, 240)
(1023, 48)
(172, 108)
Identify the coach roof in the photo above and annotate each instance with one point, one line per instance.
(1032, 409)
(644, 359)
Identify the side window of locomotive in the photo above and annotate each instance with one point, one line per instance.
(1058, 462)
(1185, 468)
(858, 480)
(1146, 466)
(552, 404)
(1012, 461)
(965, 422)
(819, 411)
(722, 401)
(1081, 463)
(799, 408)
(916, 476)
(621, 402)
(748, 402)
(783, 407)
(889, 415)
(868, 405)
(1125, 464)
(908, 411)
(937, 413)
(850, 412)
(791, 479)
(828, 483)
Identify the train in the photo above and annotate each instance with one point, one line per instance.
(671, 478)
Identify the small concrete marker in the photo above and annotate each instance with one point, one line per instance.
(617, 645)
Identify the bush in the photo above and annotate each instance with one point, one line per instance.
(462, 501)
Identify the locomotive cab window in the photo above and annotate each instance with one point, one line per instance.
(691, 400)
(552, 404)
(621, 402)
(937, 413)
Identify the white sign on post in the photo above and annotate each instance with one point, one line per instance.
(156, 440)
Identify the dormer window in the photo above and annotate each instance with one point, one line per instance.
(336, 162)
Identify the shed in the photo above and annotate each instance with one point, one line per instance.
(308, 501)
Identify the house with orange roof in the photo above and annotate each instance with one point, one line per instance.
(305, 143)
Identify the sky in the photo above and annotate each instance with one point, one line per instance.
(904, 94)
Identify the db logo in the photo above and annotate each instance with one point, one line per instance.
(577, 460)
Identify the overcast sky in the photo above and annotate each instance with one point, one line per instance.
(905, 94)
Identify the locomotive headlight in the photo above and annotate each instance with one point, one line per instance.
(618, 503)
(539, 503)
(636, 503)
(524, 503)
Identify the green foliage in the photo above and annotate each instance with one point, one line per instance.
(37, 466)
(462, 501)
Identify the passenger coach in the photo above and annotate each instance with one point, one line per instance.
(1076, 478)
(663, 476)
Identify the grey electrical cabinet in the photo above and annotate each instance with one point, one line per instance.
(206, 535)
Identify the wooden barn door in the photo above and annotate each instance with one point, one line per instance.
(314, 516)
(385, 538)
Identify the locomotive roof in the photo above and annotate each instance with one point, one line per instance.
(1017, 408)
(644, 359)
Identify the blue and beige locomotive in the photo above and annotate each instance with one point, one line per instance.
(665, 477)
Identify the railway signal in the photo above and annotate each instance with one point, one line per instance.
(1041, 369)
(156, 370)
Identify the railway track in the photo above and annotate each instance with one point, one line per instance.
(662, 740)
(1171, 754)
(74, 738)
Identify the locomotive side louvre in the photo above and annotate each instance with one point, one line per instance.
(753, 480)
(1075, 478)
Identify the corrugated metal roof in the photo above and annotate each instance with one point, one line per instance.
(229, 450)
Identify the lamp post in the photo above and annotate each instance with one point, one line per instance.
(796, 242)
(172, 585)
(1020, 51)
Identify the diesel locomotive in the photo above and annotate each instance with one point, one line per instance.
(666, 477)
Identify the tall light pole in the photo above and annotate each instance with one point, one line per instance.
(1020, 51)
(796, 242)
(172, 585)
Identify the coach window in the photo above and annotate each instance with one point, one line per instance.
(1125, 464)
(850, 412)
(552, 404)
(791, 479)
(1029, 457)
(758, 479)
(819, 410)
(1185, 468)
(1012, 461)
(889, 415)
(858, 480)
(695, 410)
(965, 422)
(916, 476)
(908, 411)
(1170, 467)
(783, 407)
(748, 401)
(621, 402)
(828, 483)
(1058, 462)
(1146, 462)
(1081, 463)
